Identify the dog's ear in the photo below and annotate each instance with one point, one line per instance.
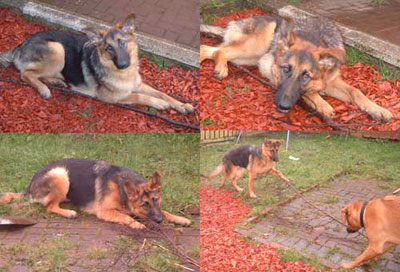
(280, 142)
(267, 141)
(128, 24)
(344, 215)
(155, 182)
(131, 190)
(95, 35)
(329, 57)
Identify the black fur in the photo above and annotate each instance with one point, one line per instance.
(34, 48)
(240, 156)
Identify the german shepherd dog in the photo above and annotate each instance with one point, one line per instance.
(102, 64)
(110, 192)
(300, 57)
(255, 159)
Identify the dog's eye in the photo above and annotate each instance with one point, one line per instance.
(110, 49)
(305, 76)
(286, 68)
(122, 43)
(146, 204)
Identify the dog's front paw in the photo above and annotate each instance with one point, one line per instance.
(71, 214)
(188, 108)
(137, 226)
(328, 113)
(348, 266)
(380, 114)
(45, 93)
(184, 221)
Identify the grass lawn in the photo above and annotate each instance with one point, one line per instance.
(322, 158)
(175, 156)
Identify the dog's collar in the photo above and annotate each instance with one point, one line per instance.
(362, 213)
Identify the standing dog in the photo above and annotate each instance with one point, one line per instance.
(101, 64)
(255, 159)
(381, 219)
(302, 59)
(110, 192)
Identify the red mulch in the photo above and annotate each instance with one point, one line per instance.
(22, 109)
(221, 248)
(241, 102)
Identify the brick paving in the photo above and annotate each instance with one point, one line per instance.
(382, 21)
(85, 235)
(174, 20)
(302, 228)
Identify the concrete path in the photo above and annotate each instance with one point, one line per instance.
(300, 227)
(173, 20)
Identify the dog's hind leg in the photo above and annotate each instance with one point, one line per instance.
(238, 175)
(51, 190)
(207, 52)
(176, 219)
(252, 177)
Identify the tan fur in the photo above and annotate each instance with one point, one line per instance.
(381, 220)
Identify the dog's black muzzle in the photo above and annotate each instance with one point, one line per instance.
(286, 98)
(350, 230)
(157, 218)
(274, 158)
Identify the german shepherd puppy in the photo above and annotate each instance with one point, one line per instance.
(101, 64)
(301, 58)
(255, 159)
(110, 192)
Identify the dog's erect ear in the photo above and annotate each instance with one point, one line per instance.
(280, 142)
(128, 24)
(344, 215)
(267, 141)
(93, 34)
(155, 182)
(329, 57)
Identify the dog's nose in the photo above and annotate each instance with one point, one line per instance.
(122, 64)
(158, 218)
(284, 106)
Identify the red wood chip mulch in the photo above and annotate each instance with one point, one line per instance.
(241, 102)
(221, 248)
(22, 109)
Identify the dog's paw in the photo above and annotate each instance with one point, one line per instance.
(137, 226)
(253, 195)
(71, 214)
(221, 72)
(380, 114)
(45, 93)
(162, 105)
(239, 189)
(184, 221)
(347, 266)
(188, 108)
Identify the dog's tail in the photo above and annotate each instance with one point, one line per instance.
(220, 168)
(7, 58)
(214, 30)
(6, 198)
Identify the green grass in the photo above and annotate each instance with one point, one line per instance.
(388, 72)
(50, 255)
(322, 159)
(218, 8)
(175, 156)
(290, 255)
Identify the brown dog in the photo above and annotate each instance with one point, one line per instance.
(381, 219)
(255, 159)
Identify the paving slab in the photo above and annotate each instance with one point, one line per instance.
(313, 233)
